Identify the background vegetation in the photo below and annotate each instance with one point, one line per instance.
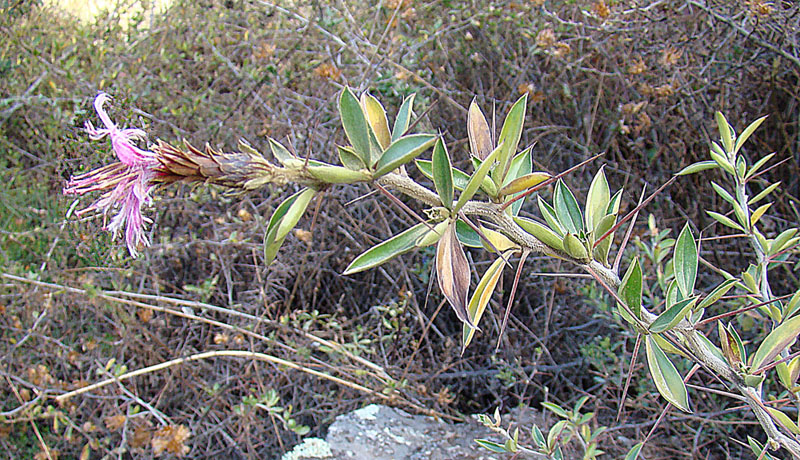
(637, 80)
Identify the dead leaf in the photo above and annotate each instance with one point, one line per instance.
(637, 67)
(144, 314)
(600, 9)
(303, 235)
(480, 137)
(171, 439)
(452, 272)
(115, 422)
(670, 57)
(545, 38)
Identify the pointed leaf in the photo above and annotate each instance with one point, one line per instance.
(633, 454)
(724, 132)
(349, 158)
(491, 445)
(575, 248)
(524, 183)
(452, 272)
(403, 118)
(605, 224)
(784, 420)
(685, 261)
(355, 124)
(567, 209)
(521, 165)
(747, 132)
(550, 217)
(509, 137)
(460, 178)
(758, 164)
(281, 154)
(480, 299)
(758, 213)
(717, 293)
(777, 340)
(402, 151)
(697, 167)
(667, 379)
(480, 137)
(722, 162)
(725, 220)
(477, 179)
(432, 236)
(500, 242)
(338, 175)
(542, 233)
(672, 316)
(376, 117)
(630, 289)
(390, 248)
(467, 236)
(442, 173)
(597, 199)
(283, 219)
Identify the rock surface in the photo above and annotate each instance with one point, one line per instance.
(384, 433)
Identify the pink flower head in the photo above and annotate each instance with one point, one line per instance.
(120, 138)
(126, 185)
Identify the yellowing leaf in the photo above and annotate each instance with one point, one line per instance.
(524, 183)
(498, 240)
(376, 117)
(667, 379)
(480, 299)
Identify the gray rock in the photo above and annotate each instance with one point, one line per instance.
(384, 433)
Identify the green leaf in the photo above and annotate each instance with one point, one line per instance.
(460, 178)
(762, 194)
(521, 165)
(281, 154)
(477, 179)
(685, 261)
(597, 199)
(777, 340)
(754, 218)
(717, 293)
(630, 289)
(725, 220)
(556, 409)
(283, 219)
(758, 449)
(542, 233)
(467, 236)
(747, 132)
(667, 379)
(509, 138)
(779, 243)
(442, 173)
(758, 164)
(355, 124)
(724, 132)
(338, 175)
(402, 151)
(793, 305)
(390, 248)
(480, 299)
(672, 316)
(550, 217)
(697, 167)
(633, 454)
(432, 236)
(723, 193)
(403, 118)
(575, 248)
(491, 445)
(349, 158)
(605, 224)
(567, 209)
(722, 162)
(784, 420)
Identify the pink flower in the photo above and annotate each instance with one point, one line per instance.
(120, 138)
(126, 185)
